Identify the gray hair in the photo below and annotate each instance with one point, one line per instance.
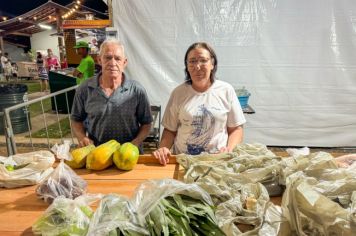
(111, 41)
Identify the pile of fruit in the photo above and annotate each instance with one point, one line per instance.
(124, 156)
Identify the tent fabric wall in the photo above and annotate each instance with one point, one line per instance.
(297, 58)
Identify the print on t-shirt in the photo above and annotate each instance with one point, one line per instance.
(203, 130)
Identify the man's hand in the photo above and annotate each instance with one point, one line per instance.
(162, 154)
(77, 73)
(85, 142)
(135, 142)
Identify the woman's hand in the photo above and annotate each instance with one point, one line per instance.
(162, 154)
(225, 149)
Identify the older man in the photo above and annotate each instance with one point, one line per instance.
(113, 106)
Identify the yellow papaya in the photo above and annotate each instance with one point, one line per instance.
(101, 157)
(79, 156)
(126, 157)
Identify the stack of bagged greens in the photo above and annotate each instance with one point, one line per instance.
(233, 181)
(159, 207)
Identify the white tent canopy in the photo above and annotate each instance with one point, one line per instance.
(297, 58)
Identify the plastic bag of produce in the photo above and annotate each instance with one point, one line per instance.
(116, 216)
(320, 198)
(170, 207)
(311, 213)
(63, 181)
(25, 169)
(66, 217)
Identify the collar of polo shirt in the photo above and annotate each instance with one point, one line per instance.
(94, 83)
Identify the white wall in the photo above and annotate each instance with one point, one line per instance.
(43, 41)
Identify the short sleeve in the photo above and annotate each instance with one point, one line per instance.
(143, 112)
(170, 117)
(83, 66)
(235, 116)
(78, 108)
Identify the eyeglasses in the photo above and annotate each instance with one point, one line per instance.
(203, 61)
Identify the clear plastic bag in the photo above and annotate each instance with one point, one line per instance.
(66, 217)
(25, 169)
(115, 216)
(150, 192)
(63, 181)
(170, 207)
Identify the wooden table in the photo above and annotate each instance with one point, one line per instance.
(19, 208)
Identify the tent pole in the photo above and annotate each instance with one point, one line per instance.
(1, 44)
(60, 39)
(110, 13)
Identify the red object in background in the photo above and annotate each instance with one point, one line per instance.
(64, 64)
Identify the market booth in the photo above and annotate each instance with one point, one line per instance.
(245, 187)
(91, 31)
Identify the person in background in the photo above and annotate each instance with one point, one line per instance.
(203, 114)
(42, 72)
(6, 65)
(2, 58)
(86, 67)
(64, 63)
(114, 106)
(51, 62)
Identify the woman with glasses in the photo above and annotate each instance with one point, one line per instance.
(203, 114)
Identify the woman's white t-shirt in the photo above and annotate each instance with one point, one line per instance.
(201, 119)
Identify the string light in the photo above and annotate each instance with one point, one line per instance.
(20, 18)
(72, 10)
(4, 18)
(35, 18)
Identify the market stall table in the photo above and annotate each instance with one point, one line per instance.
(19, 208)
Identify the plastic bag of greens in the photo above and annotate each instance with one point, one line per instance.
(116, 216)
(170, 207)
(311, 213)
(63, 181)
(66, 217)
(25, 169)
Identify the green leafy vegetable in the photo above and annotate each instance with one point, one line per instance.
(64, 217)
(184, 216)
(115, 217)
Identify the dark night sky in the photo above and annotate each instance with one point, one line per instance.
(14, 8)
